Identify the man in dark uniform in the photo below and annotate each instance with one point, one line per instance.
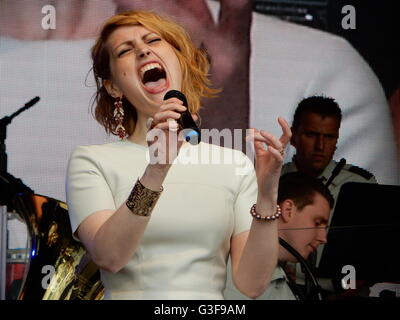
(315, 133)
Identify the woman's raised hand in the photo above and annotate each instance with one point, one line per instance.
(269, 155)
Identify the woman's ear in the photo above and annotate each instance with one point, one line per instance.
(287, 209)
(112, 89)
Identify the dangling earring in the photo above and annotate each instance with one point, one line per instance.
(119, 118)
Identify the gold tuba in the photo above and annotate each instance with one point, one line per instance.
(58, 266)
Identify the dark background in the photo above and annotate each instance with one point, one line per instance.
(377, 33)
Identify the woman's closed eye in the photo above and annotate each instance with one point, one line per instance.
(123, 51)
(154, 40)
(129, 49)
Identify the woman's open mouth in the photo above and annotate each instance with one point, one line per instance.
(154, 77)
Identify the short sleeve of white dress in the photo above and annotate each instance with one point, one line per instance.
(246, 196)
(86, 188)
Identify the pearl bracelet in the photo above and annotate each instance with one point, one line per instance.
(266, 218)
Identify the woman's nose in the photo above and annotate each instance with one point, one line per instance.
(142, 52)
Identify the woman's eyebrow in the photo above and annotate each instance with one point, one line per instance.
(149, 34)
(122, 43)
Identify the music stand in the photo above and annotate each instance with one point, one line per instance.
(365, 233)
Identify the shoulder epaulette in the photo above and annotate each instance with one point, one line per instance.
(361, 172)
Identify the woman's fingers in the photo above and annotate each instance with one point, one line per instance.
(277, 154)
(165, 115)
(170, 109)
(272, 141)
(170, 124)
(260, 139)
(256, 139)
(280, 144)
(287, 133)
(171, 103)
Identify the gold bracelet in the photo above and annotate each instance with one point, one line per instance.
(142, 200)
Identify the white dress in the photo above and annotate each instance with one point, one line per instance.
(184, 249)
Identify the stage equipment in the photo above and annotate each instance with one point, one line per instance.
(312, 13)
(313, 291)
(58, 266)
(4, 122)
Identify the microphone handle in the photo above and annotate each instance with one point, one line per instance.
(186, 121)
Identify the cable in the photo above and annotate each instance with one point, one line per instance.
(303, 262)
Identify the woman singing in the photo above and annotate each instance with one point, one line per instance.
(164, 229)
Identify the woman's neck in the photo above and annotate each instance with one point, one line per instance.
(139, 134)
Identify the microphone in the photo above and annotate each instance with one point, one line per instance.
(7, 119)
(189, 128)
(4, 122)
(32, 102)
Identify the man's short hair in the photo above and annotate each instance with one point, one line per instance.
(301, 189)
(323, 106)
